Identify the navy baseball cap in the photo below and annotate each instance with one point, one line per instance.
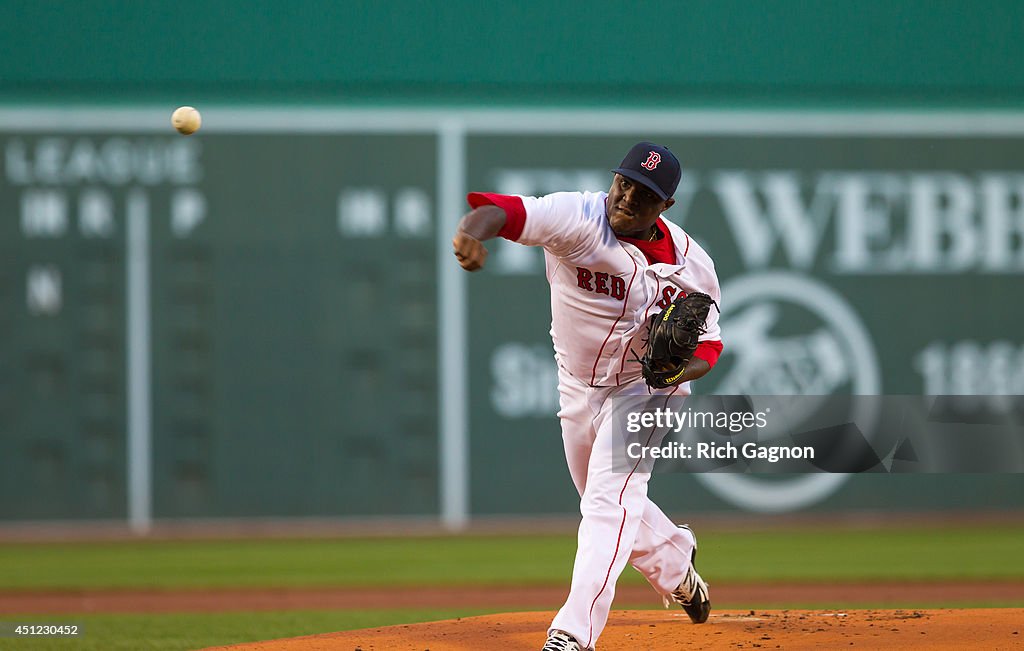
(654, 166)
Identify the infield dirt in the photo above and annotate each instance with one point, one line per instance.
(638, 630)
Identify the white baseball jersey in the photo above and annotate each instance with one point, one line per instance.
(602, 289)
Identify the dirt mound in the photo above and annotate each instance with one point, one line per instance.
(638, 630)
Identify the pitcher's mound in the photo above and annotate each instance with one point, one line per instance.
(989, 628)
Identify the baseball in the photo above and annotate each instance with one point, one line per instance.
(186, 120)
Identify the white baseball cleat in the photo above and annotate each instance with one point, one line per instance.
(692, 594)
(561, 641)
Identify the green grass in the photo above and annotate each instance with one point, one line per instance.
(827, 555)
(176, 631)
(803, 555)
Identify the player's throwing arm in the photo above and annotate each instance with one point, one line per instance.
(480, 224)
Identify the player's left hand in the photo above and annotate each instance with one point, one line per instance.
(469, 251)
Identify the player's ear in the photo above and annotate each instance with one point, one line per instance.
(668, 203)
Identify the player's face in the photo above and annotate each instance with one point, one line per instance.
(633, 208)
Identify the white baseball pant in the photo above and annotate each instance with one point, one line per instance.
(620, 523)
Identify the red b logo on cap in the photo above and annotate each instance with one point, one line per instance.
(652, 161)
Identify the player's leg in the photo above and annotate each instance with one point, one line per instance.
(662, 550)
(612, 506)
(576, 417)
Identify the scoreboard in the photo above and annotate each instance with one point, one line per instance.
(216, 305)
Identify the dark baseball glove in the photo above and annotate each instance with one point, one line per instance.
(673, 338)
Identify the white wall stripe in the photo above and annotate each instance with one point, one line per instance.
(138, 356)
(282, 119)
(452, 332)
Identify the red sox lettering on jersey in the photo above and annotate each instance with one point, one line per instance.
(613, 286)
(667, 296)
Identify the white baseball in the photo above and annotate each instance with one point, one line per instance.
(186, 120)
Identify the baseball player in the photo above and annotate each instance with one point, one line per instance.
(613, 263)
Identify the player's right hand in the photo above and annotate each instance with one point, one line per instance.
(469, 251)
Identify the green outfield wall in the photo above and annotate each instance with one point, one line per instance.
(873, 52)
(263, 319)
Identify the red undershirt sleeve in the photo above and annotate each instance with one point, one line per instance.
(709, 351)
(515, 212)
